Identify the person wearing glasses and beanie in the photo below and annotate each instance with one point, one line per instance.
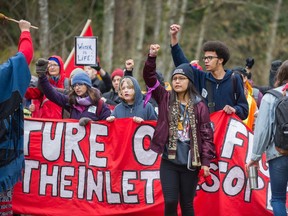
(221, 89)
(83, 101)
(183, 127)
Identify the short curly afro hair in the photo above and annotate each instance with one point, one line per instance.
(219, 47)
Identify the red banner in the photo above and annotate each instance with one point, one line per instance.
(107, 169)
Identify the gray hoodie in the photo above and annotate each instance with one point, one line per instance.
(123, 110)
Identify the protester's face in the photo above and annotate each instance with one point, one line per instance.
(80, 89)
(90, 71)
(53, 68)
(115, 82)
(211, 60)
(180, 83)
(127, 92)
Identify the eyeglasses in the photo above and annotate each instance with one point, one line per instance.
(77, 84)
(208, 58)
(53, 65)
(179, 78)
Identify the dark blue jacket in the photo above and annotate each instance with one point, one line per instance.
(223, 90)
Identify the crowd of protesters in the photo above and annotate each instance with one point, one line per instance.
(182, 111)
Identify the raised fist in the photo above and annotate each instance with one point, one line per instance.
(154, 48)
(41, 66)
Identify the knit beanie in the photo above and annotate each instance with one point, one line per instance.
(117, 72)
(76, 71)
(81, 78)
(240, 70)
(54, 59)
(186, 70)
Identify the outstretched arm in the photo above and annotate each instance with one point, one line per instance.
(25, 41)
(177, 53)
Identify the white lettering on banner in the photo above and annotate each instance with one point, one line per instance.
(88, 184)
(97, 130)
(112, 198)
(74, 133)
(141, 154)
(52, 140)
(93, 181)
(231, 140)
(149, 177)
(94, 185)
(30, 126)
(66, 171)
(46, 179)
(128, 188)
(29, 166)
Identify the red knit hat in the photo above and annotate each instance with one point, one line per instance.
(117, 72)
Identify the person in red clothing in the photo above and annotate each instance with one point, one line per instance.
(57, 78)
(14, 80)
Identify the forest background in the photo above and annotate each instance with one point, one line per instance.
(126, 28)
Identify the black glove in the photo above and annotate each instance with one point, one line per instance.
(249, 62)
(97, 66)
(84, 121)
(41, 67)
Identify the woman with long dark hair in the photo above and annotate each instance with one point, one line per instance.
(183, 135)
(83, 102)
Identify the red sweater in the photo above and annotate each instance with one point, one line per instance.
(26, 46)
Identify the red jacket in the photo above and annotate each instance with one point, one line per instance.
(47, 108)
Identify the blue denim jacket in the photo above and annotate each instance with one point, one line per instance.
(265, 129)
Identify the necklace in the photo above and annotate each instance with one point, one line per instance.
(181, 118)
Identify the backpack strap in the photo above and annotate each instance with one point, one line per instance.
(211, 103)
(234, 87)
(255, 93)
(99, 107)
(275, 93)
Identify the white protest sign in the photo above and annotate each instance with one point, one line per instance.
(85, 50)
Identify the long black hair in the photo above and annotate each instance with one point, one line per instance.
(93, 93)
(191, 91)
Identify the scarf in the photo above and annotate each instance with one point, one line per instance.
(149, 92)
(173, 132)
(82, 103)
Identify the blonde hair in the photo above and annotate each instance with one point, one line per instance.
(129, 83)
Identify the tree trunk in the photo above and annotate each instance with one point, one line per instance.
(44, 28)
(272, 42)
(203, 26)
(108, 35)
(139, 43)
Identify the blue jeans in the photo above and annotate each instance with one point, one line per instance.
(278, 170)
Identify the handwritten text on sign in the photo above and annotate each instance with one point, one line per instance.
(85, 50)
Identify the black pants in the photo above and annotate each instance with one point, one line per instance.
(178, 183)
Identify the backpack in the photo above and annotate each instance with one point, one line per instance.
(281, 121)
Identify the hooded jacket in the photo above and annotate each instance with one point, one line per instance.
(48, 109)
(222, 90)
(123, 110)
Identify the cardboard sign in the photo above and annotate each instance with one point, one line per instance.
(86, 51)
